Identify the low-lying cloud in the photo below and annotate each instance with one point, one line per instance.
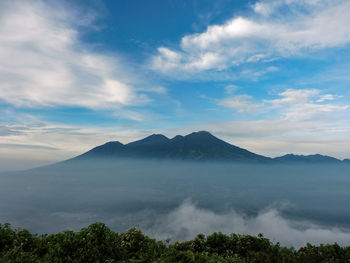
(188, 220)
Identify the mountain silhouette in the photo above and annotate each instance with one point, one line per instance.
(197, 146)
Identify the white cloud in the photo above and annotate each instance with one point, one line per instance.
(262, 8)
(327, 97)
(311, 110)
(156, 89)
(272, 7)
(296, 96)
(231, 88)
(43, 62)
(298, 104)
(128, 114)
(241, 103)
(187, 221)
(256, 74)
(309, 25)
(305, 104)
(256, 58)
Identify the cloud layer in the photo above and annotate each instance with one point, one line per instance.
(188, 220)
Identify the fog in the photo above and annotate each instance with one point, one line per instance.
(291, 204)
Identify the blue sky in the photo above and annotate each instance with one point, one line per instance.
(270, 76)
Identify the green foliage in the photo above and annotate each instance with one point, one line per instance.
(97, 243)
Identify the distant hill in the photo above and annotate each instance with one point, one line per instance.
(315, 158)
(197, 146)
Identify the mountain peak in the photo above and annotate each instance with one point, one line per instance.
(200, 134)
(114, 143)
(154, 138)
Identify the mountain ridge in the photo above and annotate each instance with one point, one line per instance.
(196, 146)
(307, 158)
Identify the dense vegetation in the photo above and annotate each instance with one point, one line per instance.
(97, 243)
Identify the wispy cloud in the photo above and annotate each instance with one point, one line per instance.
(241, 103)
(305, 104)
(25, 146)
(44, 63)
(275, 29)
(299, 104)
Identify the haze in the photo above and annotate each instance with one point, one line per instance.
(293, 204)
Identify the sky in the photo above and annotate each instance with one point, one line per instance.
(269, 76)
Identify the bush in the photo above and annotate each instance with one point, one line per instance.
(97, 243)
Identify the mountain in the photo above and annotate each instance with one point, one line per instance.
(315, 158)
(196, 146)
